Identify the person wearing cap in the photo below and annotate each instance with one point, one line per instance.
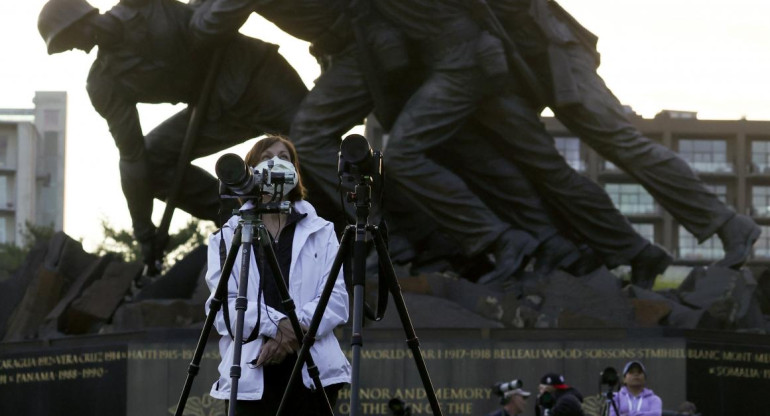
(513, 401)
(557, 398)
(634, 398)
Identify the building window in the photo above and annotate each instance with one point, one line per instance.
(760, 201)
(4, 200)
(4, 151)
(631, 198)
(689, 248)
(569, 147)
(762, 246)
(646, 230)
(705, 155)
(760, 156)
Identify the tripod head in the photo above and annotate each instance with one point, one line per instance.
(256, 209)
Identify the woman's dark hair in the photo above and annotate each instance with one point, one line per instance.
(254, 156)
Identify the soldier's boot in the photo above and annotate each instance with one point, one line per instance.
(511, 250)
(652, 261)
(738, 235)
(554, 253)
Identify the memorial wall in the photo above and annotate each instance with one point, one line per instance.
(720, 373)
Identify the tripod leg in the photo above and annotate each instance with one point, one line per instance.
(357, 339)
(241, 303)
(216, 303)
(290, 308)
(411, 337)
(309, 338)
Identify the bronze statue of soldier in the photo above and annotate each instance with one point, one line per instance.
(563, 53)
(148, 55)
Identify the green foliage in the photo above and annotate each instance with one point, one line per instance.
(12, 256)
(123, 244)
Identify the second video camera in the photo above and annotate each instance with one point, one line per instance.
(501, 388)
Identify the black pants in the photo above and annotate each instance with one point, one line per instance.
(301, 401)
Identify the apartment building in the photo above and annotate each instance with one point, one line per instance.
(32, 145)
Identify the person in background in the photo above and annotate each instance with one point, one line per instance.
(634, 398)
(557, 398)
(513, 402)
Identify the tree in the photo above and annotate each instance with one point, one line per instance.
(12, 255)
(123, 244)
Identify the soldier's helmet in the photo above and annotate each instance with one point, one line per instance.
(58, 15)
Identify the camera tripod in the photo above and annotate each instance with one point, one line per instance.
(243, 240)
(362, 198)
(610, 403)
(609, 377)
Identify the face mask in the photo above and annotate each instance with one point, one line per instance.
(279, 166)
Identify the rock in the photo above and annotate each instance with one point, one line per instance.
(156, 313)
(99, 301)
(762, 294)
(650, 313)
(726, 293)
(12, 290)
(56, 320)
(433, 312)
(180, 281)
(680, 316)
(575, 300)
(63, 262)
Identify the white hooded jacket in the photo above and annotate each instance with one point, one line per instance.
(313, 250)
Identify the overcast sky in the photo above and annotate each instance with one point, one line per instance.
(707, 56)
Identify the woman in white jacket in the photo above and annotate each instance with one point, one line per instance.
(305, 246)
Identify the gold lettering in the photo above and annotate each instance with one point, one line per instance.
(375, 408)
(740, 372)
(460, 408)
(68, 374)
(736, 356)
(35, 377)
(375, 393)
(344, 394)
(97, 372)
(698, 354)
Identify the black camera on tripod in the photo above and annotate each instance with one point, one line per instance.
(357, 161)
(609, 378)
(608, 386)
(238, 180)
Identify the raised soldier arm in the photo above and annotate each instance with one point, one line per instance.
(123, 121)
(218, 19)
